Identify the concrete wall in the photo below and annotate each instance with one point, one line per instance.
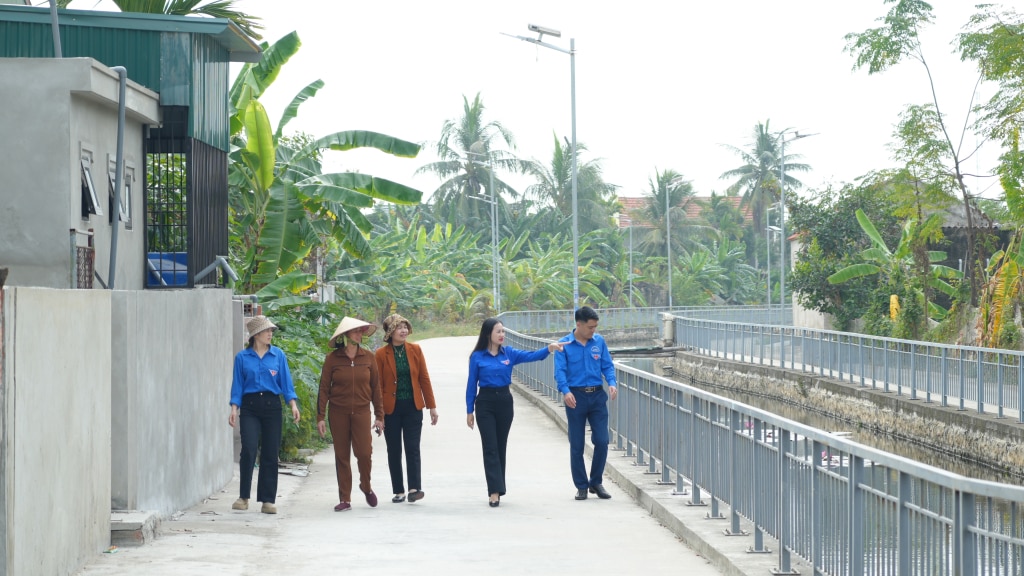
(108, 399)
(53, 111)
(55, 466)
(171, 443)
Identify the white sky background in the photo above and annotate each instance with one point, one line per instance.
(658, 84)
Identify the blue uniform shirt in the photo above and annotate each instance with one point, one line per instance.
(268, 374)
(581, 365)
(496, 371)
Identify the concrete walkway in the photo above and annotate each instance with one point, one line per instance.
(538, 529)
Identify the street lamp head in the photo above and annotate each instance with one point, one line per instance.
(541, 30)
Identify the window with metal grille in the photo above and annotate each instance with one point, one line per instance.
(186, 203)
(83, 267)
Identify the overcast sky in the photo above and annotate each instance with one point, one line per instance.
(658, 84)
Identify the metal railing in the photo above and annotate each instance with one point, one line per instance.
(845, 508)
(554, 321)
(986, 380)
(966, 377)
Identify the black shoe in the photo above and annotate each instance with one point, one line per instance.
(600, 491)
(581, 494)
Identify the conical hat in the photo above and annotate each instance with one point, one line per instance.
(349, 323)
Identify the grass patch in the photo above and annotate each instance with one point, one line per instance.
(423, 330)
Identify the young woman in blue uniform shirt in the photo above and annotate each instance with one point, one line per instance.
(261, 377)
(489, 395)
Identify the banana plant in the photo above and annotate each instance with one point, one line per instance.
(282, 204)
(896, 266)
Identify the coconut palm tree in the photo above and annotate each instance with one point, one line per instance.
(678, 190)
(214, 8)
(469, 148)
(594, 196)
(758, 178)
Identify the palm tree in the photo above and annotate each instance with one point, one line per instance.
(214, 8)
(758, 177)
(554, 186)
(668, 183)
(467, 152)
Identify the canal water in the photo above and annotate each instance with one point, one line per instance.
(821, 421)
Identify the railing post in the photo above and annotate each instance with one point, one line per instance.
(913, 374)
(737, 474)
(1020, 387)
(816, 497)
(899, 369)
(860, 355)
(757, 490)
(999, 384)
(760, 343)
(681, 436)
(945, 378)
(963, 380)
(695, 461)
(665, 478)
(783, 511)
(782, 347)
(928, 378)
(903, 529)
(964, 541)
(714, 448)
(856, 516)
(981, 382)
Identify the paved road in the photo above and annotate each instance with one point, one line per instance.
(538, 529)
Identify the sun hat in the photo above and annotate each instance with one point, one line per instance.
(348, 323)
(391, 323)
(258, 324)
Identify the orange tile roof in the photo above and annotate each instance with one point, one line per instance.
(633, 205)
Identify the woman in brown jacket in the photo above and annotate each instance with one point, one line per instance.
(348, 386)
(406, 388)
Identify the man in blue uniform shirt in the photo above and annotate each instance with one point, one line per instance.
(578, 373)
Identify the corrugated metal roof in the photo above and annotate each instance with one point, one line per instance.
(240, 47)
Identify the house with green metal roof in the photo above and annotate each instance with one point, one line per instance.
(174, 211)
(98, 387)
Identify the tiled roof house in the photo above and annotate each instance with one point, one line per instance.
(632, 206)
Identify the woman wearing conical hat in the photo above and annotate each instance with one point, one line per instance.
(349, 386)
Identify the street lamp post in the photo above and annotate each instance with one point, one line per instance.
(631, 262)
(541, 31)
(769, 231)
(493, 201)
(668, 233)
(782, 212)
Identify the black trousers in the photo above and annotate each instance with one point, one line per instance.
(260, 428)
(405, 422)
(494, 413)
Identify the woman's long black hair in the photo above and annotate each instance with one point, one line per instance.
(485, 334)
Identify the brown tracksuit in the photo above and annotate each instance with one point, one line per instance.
(349, 387)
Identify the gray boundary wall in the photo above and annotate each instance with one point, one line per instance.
(55, 465)
(171, 445)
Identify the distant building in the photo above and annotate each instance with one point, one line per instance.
(634, 206)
